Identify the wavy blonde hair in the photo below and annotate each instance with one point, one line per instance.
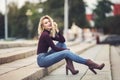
(41, 27)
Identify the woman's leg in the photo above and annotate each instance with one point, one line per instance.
(58, 56)
(46, 61)
(69, 63)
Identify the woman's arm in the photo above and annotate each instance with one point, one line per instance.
(59, 37)
(51, 44)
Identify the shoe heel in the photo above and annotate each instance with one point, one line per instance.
(74, 72)
(93, 70)
(66, 71)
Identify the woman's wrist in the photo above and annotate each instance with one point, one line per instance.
(57, 30)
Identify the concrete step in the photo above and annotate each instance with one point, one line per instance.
(25, 43)
(12, 54)
(27, 69)
(12, 44)
(5, 68)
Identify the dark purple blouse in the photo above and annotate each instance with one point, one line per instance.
(45, 41)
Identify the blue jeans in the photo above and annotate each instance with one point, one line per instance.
(52, 57)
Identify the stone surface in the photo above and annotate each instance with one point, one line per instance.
(27, 69)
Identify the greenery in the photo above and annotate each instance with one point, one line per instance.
(18, 20)
(1, 25)
(111, 25)
(77, 13)
(55, 9)
(103, 7)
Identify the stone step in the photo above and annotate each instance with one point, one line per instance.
(12, 44)
(5, 68)
(12, 54)
(25, 43)
(27, 69)
(30, 72)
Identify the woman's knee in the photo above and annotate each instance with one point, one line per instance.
(66, 52)
(42, 64)
(59, 44)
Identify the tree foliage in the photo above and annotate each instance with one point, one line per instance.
(103, 7)
(18, 20)
(77, 13)
(1, 25)
(111, 25)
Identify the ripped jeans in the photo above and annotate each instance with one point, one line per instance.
(52, 57)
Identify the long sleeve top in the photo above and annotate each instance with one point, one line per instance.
(46, 41)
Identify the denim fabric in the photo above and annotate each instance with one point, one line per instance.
(48, 59)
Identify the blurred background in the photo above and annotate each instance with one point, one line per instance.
(84, 18)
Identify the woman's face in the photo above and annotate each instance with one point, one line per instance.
(47, 24)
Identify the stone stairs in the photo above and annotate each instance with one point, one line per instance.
(13, 44)
(19, 63)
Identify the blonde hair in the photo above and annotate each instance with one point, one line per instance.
(41, 28)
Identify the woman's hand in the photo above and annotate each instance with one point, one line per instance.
(56, 27)
(57, 30)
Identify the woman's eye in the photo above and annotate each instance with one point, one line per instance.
(46, 23)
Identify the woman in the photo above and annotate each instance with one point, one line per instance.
(48, 32)
(58, 37)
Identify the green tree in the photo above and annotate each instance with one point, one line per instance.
(12, 20)
(55, 9)
(103, 7)
(37, 12)
(18, 20)
(35, 17)
(77, 13)
(1, 25)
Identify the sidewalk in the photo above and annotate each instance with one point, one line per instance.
(99, 54)
(115, 62)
